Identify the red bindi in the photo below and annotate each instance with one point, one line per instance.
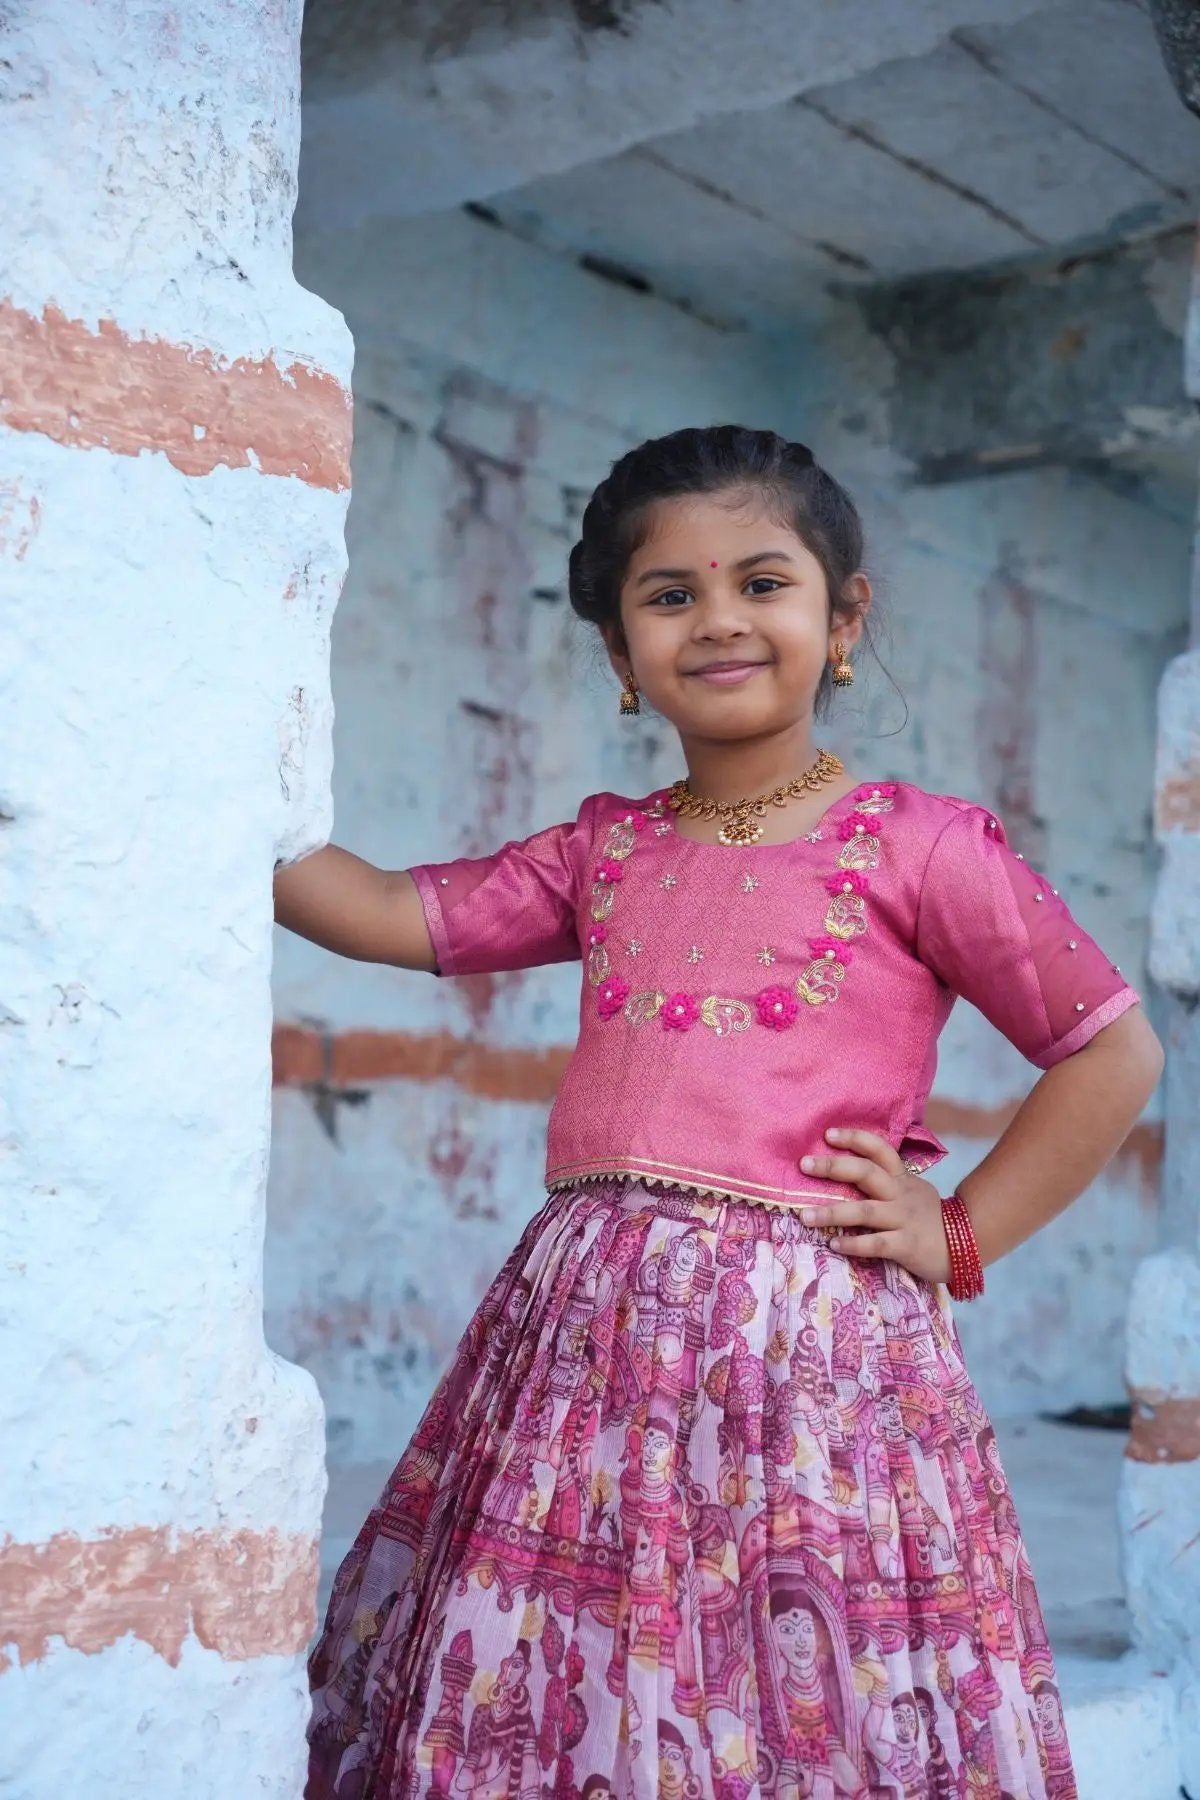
(713, 565)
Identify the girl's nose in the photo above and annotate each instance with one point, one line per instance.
(719, 617)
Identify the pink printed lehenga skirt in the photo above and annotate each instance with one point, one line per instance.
(701, 1509)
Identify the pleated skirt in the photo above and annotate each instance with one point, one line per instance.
(701, 1508)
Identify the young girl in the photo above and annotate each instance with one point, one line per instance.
(707, 1504)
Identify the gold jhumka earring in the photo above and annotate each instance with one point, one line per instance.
(631, 700)
(843, 672)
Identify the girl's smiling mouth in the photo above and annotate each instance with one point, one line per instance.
(725, 674)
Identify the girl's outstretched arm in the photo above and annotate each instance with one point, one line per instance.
(351, 907)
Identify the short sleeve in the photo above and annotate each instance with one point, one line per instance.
(994, 931)
(513, 910)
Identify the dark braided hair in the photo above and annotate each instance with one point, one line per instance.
(712, 460)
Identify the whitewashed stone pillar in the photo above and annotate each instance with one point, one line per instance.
(1160, 1498)
(174, 435)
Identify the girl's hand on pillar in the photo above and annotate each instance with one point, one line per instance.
(900, 1217)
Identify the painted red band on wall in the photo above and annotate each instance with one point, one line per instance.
(1165, 1430)
(303, 1058)
(243, 1593)
(104, 389)
(1177, 802)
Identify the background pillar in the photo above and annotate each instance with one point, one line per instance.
(1160, 1498)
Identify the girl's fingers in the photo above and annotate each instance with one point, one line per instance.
(871, 1243)
(877, 1214)
(869, 1144)
(868, 1176)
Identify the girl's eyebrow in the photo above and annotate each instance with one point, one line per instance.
(747, 562)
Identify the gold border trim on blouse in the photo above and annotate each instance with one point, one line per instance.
(701, 1182)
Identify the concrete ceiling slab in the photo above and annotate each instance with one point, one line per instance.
(414, 106)
(1099, 65)
(744, 156)
(690, 244)
(878, 216)
(1047, 176)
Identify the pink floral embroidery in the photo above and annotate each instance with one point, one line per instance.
(831, 948)
(857, 823)
(610, 870)
(680, 1012)
(848, 881)
(878, 790)
(611, 996)
(598, 934)
(638, 820)
(776, 1008)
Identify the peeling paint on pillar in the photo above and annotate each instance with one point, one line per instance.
(243, 1594)
(111, 390)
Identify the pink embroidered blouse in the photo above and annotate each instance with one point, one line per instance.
(739, 1001)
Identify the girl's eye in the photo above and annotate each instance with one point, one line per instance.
(763, 584)
(672, 597)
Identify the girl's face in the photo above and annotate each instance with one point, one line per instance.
(726, 618)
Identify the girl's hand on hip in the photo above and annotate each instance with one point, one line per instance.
(901, 1212)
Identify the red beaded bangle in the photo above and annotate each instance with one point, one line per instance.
(966, 1269)
(972, 1283)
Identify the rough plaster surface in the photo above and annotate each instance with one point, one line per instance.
(473, 455)
(166, 735)
(1066, 363)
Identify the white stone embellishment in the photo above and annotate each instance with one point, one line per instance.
(634, 947)
(663, 830)
(1039, 898)
(1079, 1006)
(445, 881)
(766, 956)
(1072, 945)
(749, 883)
(668, 882)
(814, 837)
(1054, 891)
(695, 954)
(1020, 858)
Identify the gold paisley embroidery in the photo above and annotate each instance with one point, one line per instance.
(861, 852)
(602, 900)
(621, 841)
(818, 984)
(599, 965)
(724, 1016)
(846, 917)
(640, 1009)
(875, 805)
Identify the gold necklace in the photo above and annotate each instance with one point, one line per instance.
(741, 819)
